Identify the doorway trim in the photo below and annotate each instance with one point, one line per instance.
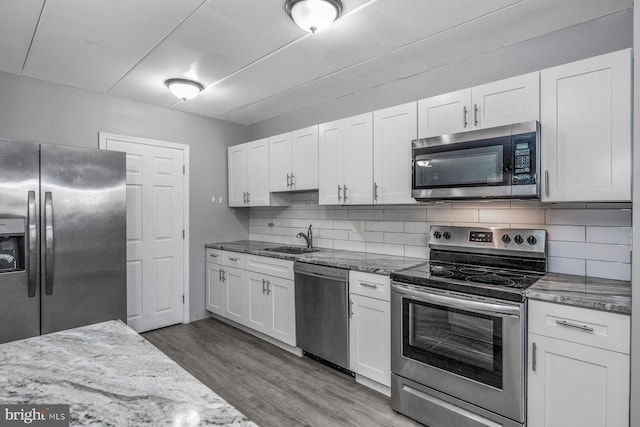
(102, 144)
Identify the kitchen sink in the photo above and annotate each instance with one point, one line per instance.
(294, 250)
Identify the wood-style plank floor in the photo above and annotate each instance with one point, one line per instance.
(271, 386)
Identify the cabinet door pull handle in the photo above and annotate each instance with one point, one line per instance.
(344, 193)
(369, 285)
(339, 196)
(213, 255)
(268, 287)
(375, 191)
(263, 286)
(546, 183)
(534, 350)
(574, 325)
(234, 259)
(220, 275)
(475, 114)
(288, 180)
(350, 308)
(464, 116)
(293, 180)
(248, 200)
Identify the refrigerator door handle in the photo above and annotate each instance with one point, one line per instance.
(32, 253)
(48, 249)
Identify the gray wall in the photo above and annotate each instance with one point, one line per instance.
(44, 112)
(635, 259)
(613, 32)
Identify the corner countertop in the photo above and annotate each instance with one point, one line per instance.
(359, 261)
(588, 292)
(109, 375)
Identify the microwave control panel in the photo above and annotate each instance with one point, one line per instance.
(524, 159)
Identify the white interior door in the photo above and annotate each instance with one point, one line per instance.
(155, 232)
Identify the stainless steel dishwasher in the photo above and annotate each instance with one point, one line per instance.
(322, 312)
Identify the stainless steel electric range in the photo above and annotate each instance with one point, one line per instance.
(458, 327)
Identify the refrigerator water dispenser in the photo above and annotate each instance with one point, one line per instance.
(12, 244)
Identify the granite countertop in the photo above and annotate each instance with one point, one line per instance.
(359, 261)
(109, 375)
(588, 292)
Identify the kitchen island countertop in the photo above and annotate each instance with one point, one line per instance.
(109, 375)
(587, 292)
(352, 260)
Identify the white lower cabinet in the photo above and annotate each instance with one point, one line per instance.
(575, 378)
(370, 327)
(245, 294)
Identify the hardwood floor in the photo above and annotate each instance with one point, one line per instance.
(271, 386)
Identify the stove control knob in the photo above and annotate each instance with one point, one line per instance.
(446, 235)
(506, 238)
(532, 240)
(518, 239)
(437, 234)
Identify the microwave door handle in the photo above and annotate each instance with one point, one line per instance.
(493, 309)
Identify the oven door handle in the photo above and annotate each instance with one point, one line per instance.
(501, 310)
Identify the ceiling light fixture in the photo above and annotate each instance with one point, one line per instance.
(183, 88)
(313, 15)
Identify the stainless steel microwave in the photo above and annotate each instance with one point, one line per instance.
(499, 162)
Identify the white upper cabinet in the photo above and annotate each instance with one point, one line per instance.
(507, 101)
(304, 155)
(346, 161)
(237, 174)
(393, 130)
(280, 168)
(586, 129)
(293, 160)
(248, 174)
(444, 114)
(512, 100)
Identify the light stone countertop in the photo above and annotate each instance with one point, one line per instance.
(588, 292)
(109, 375)
(359, 261)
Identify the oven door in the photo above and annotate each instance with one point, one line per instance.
(468, 347)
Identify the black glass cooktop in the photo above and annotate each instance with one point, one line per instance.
(487, 281)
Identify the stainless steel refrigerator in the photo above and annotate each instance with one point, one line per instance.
(62, 238)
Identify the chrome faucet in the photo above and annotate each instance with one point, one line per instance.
(308, 237)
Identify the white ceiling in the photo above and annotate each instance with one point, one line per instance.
(254, 62)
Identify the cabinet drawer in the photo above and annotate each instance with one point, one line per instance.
(370, 285)
(233, 259)
(610, 331)
(271, 266)
(214, 256)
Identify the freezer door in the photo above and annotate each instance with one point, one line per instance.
(19, 201)
(83, 238)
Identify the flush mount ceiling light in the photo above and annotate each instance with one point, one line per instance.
(313, 15)
(183, 88)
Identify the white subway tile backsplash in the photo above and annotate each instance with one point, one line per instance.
(451, 215)
(416, 251)
(406, 239)
(591, 239)
(393, 226)
(604, 217)
(612, 235)
(386, 249)
(593, 251)
(366, 214)
(513, 216)
(566, 266)
(366, 236)
(349, 245)
(610, 270)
